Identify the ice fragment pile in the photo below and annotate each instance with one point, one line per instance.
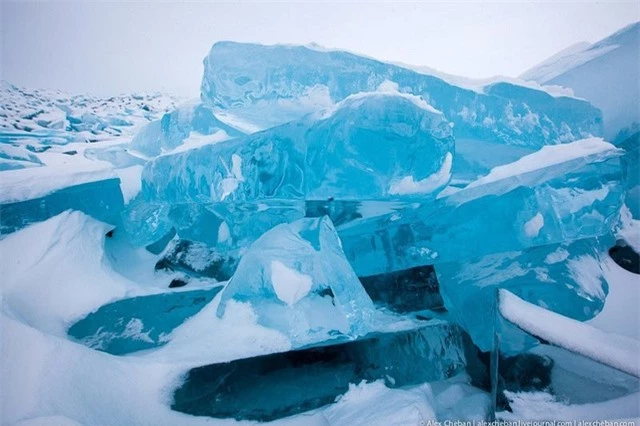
(360, 217)
(370, 145)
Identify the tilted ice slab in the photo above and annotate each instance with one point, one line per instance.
(270, 85)
(139, 323)
(560, 193)
(565, 278)
(37, 193)
(298, 282)
(378, 146)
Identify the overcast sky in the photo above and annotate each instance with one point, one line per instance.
(114, 47)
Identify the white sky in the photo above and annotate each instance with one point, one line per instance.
(113, 47)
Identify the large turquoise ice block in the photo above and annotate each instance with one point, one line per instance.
(378, 146)
(270, 85)
(297, 281)
(566, 278)
(558, 194)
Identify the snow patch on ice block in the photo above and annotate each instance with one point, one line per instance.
(407, 185)
(130, 181)
(533, 226)
(290, 285)
(549, 156)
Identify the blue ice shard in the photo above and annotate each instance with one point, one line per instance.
(378, 146)
(566, 278)
(190, 120)
(298, 281)
(558, 194)
(139, 323)
(270, 85)
(97, 194)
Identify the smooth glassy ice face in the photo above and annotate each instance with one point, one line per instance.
(379, 146)
(263, 86)
(297, 281)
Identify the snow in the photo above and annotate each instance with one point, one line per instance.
(605, 73)
(557, 256)
(561, 62)
(197, 140)
(224, 234)
(629, 229)
(543, 406)
(621, 312)
(198, 340)
(55, 272)
(229, 184)
(289, 285)
(533, 226)
(49, 262)
(408, 185)
(547, 156)
(236, 122)
(585, 270)
(48, 421)
(394, 407)
(17, 185)
(40, 113)
(130, 181)
(617, 351)
(386, 88)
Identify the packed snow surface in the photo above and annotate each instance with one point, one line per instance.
(614, 350)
